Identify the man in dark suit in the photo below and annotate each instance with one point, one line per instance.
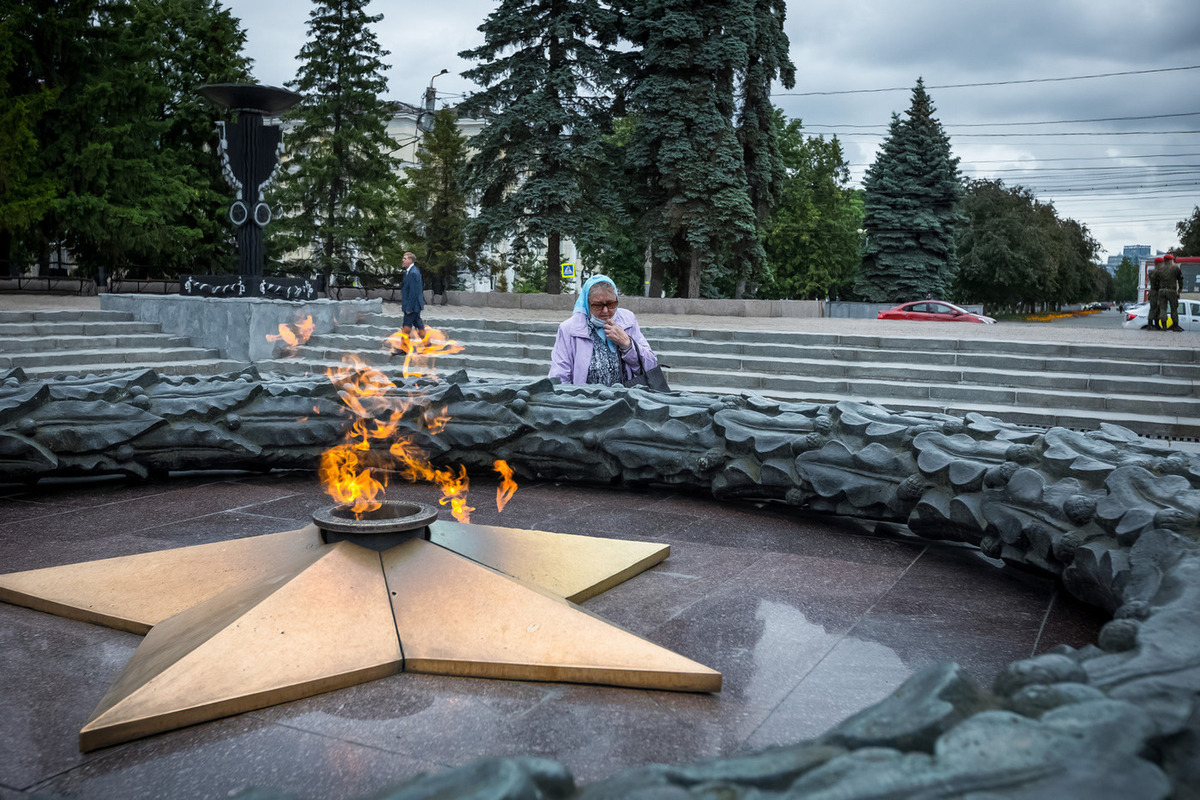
(412, 300)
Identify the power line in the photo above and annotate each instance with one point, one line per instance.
(1167, 169)
(1080, 158)
(1105, 158)
(989, 83)
(1048, 133)
(1054, 188)
(1012, 124)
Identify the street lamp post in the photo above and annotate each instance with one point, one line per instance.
(426, 123)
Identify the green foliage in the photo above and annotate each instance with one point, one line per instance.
(197, 42)
(617, 251)
(535, 171)
(338, 196)
(122, 140)
(758, 131)
(26, 192)
(1189, 235)
(435, 202)
(1125, 282)
(813, 236)
(1016, 253)
(912, 192)
(529, 275)
(685, 151)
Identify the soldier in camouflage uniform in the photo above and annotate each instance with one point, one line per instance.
(1152, 316)
(1170, 284)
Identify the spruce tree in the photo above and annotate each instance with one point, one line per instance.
(684, 150)
(197, 42)
(912, 191)
(124, 140)
(435, 202)
(757, 129)
(337, 195)
(26, 192)
(543, 66)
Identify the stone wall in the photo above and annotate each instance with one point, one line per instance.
(238, 327)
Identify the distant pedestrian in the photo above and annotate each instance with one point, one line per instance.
(1152, 315)
(1170, 284)
(412, 301)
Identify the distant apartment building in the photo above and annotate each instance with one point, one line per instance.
(1136, 253)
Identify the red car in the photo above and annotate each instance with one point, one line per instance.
(933, 310)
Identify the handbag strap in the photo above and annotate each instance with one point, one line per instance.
(638, 353)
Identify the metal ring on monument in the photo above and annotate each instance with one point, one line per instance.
(238, 213)
(262, 215)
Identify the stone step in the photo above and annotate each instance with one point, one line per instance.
(40, 344)
(1082, 392)
(1066, 375)
(206, 366)
(18, 316)
(883, 391)
(54, 329)
(1134, 362)
(118, 357)
(1148, 425)
(1029, 357)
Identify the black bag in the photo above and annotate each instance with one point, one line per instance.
(652, 379)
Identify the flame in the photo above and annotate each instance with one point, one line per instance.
(421, 351)
(293, 336)
(435, 422)
(355, 473)
(414, 467)
(507, 487)
(346, 483)
(350, 478)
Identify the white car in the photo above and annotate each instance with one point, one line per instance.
(1189, 315)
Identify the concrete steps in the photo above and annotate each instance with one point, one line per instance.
(1155, 391)
(51, 343)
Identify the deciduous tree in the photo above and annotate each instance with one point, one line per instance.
(813, 235)
(1125, 282)
(1015, 251)
(1189, 235)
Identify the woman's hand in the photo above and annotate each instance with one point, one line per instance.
(615, 332)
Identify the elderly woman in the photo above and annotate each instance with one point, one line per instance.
(599, 343)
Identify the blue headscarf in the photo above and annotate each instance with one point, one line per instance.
(581, 306)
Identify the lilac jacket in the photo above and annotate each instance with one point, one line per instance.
(572, 353)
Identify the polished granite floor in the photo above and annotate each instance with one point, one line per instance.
(809, 619)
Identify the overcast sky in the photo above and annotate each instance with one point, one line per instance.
(1129, 180)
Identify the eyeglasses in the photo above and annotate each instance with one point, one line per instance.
(610, 306)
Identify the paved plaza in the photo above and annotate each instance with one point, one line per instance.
(808, 618)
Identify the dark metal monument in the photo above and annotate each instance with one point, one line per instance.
(249, 150)
(1114, 517)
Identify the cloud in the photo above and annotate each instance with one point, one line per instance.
(869, 44)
